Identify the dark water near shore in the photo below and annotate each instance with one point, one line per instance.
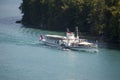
(22, 57)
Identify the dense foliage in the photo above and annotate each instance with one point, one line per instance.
(95, 17)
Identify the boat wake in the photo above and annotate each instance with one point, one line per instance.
(12, 33)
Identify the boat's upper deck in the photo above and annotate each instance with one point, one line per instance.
(55, 37)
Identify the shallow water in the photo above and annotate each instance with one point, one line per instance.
(23, 57)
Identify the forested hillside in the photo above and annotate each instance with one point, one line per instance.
(95, 17)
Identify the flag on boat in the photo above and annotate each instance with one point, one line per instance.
(41, 37)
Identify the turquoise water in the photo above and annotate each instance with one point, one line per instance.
(23, 57)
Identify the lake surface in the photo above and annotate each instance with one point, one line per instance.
(23, 57)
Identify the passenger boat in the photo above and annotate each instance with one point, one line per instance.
(68, 42)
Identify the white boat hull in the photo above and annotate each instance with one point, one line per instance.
(77, 48)
(90, 49)
(51, 44)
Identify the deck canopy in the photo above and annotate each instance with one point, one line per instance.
(55, 37)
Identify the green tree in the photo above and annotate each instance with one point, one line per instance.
(95, 17)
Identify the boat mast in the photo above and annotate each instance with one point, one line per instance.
(68, 30)
(77, 33)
